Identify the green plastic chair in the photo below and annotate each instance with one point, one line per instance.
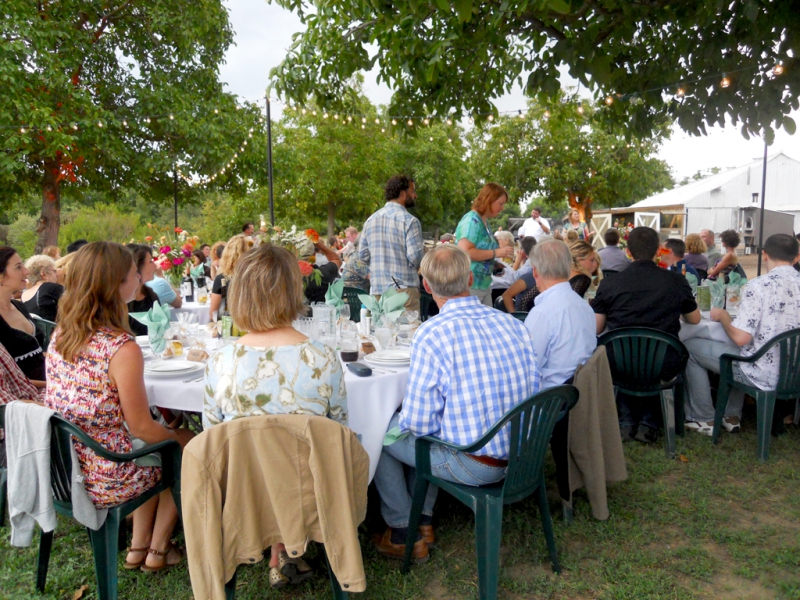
(350, 295)
(338, 592)
(636, 364)
(47, 328)
(521, 315)
(788, 387)
(530, 426)
(104, 540)
(425, 300)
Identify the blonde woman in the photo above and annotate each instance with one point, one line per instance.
(97, 383)
(236, 247)
(43, 293)
(574, 223)
(274, 369)
(62, 265)
(585, 266)
(695, 252)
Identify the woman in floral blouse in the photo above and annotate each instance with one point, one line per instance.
(474, 238)
(274, 369)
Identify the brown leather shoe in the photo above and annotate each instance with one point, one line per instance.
(426, 531)
(385, 546)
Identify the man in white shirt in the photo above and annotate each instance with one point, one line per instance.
(537, 226)
(770, 305)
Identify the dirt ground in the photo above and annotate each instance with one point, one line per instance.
(749, 263)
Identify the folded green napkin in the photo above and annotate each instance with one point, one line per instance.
(717, 289)
(333, 297)
(395, 434)
(692, 282)
(198, 271)
(157, 321)
(390, 306)
(736, 281)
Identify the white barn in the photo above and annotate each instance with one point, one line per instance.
(727, 200)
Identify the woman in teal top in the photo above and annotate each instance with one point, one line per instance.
(473, 236)
(574, 223)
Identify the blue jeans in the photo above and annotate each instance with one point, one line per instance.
(703, 357)
(396, 489)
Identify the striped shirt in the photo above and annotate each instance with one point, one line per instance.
(391, 244)
(470, 365)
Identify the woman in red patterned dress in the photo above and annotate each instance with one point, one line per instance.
(97, 383)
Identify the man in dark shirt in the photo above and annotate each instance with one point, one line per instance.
(330, 272)
(644, 295)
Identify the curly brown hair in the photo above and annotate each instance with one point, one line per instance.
(730, 238)
(695, 244)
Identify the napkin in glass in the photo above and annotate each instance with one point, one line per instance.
(692, 282)
(717, 289)
(389, 307)
(333, 297)
(157, 321)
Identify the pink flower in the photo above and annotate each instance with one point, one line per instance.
(177, 261)
(186, 252)
(165, 264)
(164, 250)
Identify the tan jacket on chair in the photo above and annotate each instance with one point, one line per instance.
(257, 481)
(595, 443)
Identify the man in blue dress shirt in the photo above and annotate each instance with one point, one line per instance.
(470, 365)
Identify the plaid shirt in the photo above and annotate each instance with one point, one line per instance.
(391, 244)
(13, 383)
(470, 365)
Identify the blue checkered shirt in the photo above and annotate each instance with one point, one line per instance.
(470, 365)
(391, 244)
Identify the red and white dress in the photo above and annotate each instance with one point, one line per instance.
(84, 395)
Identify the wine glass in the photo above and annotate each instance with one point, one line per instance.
(344, 312)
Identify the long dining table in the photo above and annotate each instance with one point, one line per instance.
(371, 401)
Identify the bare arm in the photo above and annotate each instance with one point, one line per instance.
(600, 320)
(726, 261)
(508, 296)
(693, 317)
(329, 254)
(213, 306)
(739, 337)
(178, 302)
(126, 371)
(476, 255)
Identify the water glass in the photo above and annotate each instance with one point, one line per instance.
(384, 336)
(344, 312)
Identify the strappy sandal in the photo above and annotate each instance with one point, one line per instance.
(277, 580)
(295, 569)
(131, 566)
(166, 565)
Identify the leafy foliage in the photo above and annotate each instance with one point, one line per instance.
(443, 56)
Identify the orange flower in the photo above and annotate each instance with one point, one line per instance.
(148, 238)
(305, 268)
(312, 235)
(178, 230)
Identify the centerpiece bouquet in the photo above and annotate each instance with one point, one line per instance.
(298, 242)
(174, 247)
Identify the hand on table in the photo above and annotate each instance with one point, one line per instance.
(716, 314)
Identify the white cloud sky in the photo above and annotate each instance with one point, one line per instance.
(263, 33)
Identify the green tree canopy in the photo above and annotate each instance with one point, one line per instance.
(113, 94)
(441, 56)
(561, 154)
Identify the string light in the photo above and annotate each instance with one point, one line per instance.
(147, 120)
(471, 121)
(449, 140)
(725, 82)
(547, 114)
(377, 121)
(314, 112)
(22, 130)
(580, 108)
(349, 118)
(383, 130)
(172, 117)
(335, 117)
(491, 118)
(100, 124)
(430, 139)
(425, 121)
(216, 111)
(410, 123)
(519, 113)
(124, 123)
(49, 128)
(680, 92)
(363, 119)
(394, 122)
(324, 115)
(778, 69)
(609, 100)
(449, 122)
(363, 126)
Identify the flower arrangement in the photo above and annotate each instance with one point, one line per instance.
(299, 243)
(174, 247)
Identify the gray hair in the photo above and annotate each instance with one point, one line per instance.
(446, 268)
(552, 258)
(505, 235)
(38, 265)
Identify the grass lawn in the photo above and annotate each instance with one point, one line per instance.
(718, 524)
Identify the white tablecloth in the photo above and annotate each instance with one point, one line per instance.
(371, 402)
(195, 308)
(706, 329)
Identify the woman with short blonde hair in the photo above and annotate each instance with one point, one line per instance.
(585, 267)
(43, 293)
(273, 369)
(97, 383)
(236, 247)
(695, 252)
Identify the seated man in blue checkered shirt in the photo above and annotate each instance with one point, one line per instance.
(470, 365)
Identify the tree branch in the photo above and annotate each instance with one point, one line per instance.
(539, 25)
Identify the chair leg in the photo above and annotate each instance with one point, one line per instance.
(765, 408)
(338, 592)
(668, 412)
(3, 496)
(104, 547)
(722, 404)
(680, 412)
(230, 588)
(45, 545)
(420, 491)
(488, 532)
(547, 526)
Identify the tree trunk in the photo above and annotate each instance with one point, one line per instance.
(50, 219)
(331, 223)
(583, 206)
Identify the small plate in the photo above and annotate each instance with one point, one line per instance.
(172, 367)
(391, 355)
(143, 341)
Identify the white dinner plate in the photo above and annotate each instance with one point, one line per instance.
(143, 341)
(172, 367)
(391, 355)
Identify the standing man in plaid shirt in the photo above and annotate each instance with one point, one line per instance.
(391, 243)
(470, 365)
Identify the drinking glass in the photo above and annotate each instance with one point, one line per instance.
(383, 334)
(344, 312)
(348, 343)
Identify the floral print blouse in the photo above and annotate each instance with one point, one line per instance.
(244, 381)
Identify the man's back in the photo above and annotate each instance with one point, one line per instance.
(391, 244)
(613, 258)
(469, 366)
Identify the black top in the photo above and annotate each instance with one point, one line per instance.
(524, 301)
(45, 301)
(220, 286)
(645, 295)
(143, 305)
(316, 293)
(26, 349)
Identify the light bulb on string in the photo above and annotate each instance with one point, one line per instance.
(410, 123)
(426, 121)
(449, 140)
(363, 119)
(335, 117)
(324, 115)
(377, 121)
(566, 147)
(147, 120)
(491, 118)
(75, 126)
(22, 130)
(172, 117)
(449, 122)
(124, 123)
(304, 111)
(394, 122)
(49, 128)
(216, 111)
(261, 120)
(314, 113)
(519, 113)
(680, 92)
(363, 126)
(547, 114)
(725, 82)
(609, 100)
(471, 121)
(778, 69)
(580, 108)
(501, 146)
(383, 130)
(100, 124)
(349, 118)
(551, 147)
(430, 139)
